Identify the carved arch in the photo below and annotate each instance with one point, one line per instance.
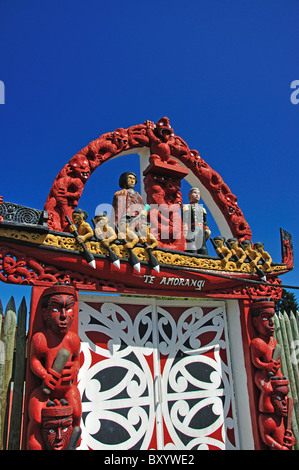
(69, 183)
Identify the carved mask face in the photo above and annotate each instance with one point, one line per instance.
(60, 312)
(56, 432)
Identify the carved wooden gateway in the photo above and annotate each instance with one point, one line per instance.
(132, 370)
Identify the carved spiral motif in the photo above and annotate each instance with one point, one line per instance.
(14, 213)
(156, 379)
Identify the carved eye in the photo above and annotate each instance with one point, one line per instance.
(55, 310)
(265, 319)
(69, 310)
(64, 429)
(51, 431)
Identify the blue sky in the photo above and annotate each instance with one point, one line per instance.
(220, 70)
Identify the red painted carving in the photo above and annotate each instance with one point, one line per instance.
(268, 378)
(69, 184)
(162, 186)
(58, 432)
(54, 360)
(288, 258)
(274, 432)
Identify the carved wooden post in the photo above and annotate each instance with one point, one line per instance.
(52, 390)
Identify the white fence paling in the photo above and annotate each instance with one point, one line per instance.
(287, 335)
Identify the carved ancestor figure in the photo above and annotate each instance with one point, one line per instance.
(161, 136)
(273, 401)
(275, 427)
(103, 231)
(238, 254)
(262, 348)
(66, 191)
(83, 228)
(195, 226)
(127, 202)
(54, 359)
(263, 256)
(223, 251)
(165, 198)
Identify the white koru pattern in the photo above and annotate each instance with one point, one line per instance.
(152, 374)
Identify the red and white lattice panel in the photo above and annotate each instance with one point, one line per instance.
(155, 375)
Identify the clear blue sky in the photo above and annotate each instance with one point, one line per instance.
(220, 70)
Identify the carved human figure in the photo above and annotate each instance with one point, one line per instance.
(263, 256)
(195, 226)
(127, 202)
(274, 431)
(66, 191)
(161, 136)
(262, 348)
(223, 251)
(58, 308)
(251, 252)
(83, 228)
(103, 231)
(238, 254)
(165, 198)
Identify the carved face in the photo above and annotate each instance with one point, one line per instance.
(279, 402)
(56, 432)
(264, 323)
(101, 220)
(194, 196)
(120, 138)
(79, 166)
(60, 312)
(131, 181)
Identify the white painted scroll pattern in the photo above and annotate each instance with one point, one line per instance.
(197, 395)
(117, 390)
(195, 386)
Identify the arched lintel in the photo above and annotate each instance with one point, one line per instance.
(137, 140)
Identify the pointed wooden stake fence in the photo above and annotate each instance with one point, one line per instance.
(287, 335)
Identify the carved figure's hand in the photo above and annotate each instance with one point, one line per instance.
(273, 366)
(289, 439)
(51, 379)
(69, 372)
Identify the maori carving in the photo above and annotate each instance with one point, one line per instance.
(17, 268)
(69, 183)
(166, 222)
(287, 248)
(10, 212)
(58, 432)
(273, 387)
(54, 360)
